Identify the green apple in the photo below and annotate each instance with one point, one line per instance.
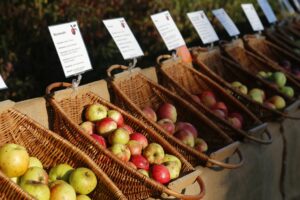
(95, 112)
(14, 160)
(169, 157)
(262, 74)
(289, 91)
(154, 153)
(119, 136)
(279, 78)
(121, 151)
(83, 197)
(39, 191)
(83, 180)
(257, 95)
(239, 86)
(60, 172)
(35, 162)
(61, 190)
(173, 168)
(35, 174)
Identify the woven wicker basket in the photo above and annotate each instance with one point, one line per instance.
(133, 91)
(66, 115)
(294, 29)
(183, 79)
(51, 150)
(253, 63)
(225, 71)
(271, 53)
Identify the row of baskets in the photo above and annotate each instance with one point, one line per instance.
(213, 70)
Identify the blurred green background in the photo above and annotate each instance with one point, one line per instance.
(28, 60)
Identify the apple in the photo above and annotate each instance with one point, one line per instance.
(38, 190)
(15, 179)
(186, 137)
(140, 162)
(235, 122)
(208, 98)
(237, 115)
(187, 127)
(36, 174)
(127, 127)
(200, 145)
(83, 197)
(60, 172)
(61, 190)
(106, 126)
(173, 168)
(83, 180)
(167, 110)
(196, 98)
(219, 113)
(257, 95)
(154, 153)
(14, 160)
(135, 147)
(121, 151)
(169, 157)
(184, 53)
(262, 74)
(116, 116)
(35, 162)
(99, 139)
(269, 105)
(278, 101)
(150, 113)
(140, 138)
(220, 106)
(132, 165)
(144, 172)
(239, 86)
(289, 91)
(95, 112)
(119, 136)
(167, 125)
(87, 127)
(160, 173)
(279, 78)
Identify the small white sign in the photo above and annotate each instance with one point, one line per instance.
(268, 11)
(203, 27)
(288, 6)
(70, 48)
(2, 84)
(226, 21)
(252, 17)
(168, 30)
(124, 38)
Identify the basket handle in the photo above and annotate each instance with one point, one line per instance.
(162, 57)
(227, 165)
(261, 141)
(113, 67)
(53, 86)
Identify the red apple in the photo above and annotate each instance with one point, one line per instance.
(127, 127)
(150, 113)
(235, 122)
(196, 98)
(160, 173)
(200, 145)
(121, 151)
(88, 127)
(220, 106)
(186, 127)
(167, 125)
(237, 115)
(167, 110)
(208, 98)
(95, 112)
(269, 105)
(186, 137)
(140, 162)
(119, 136)
(219, 113)
(99, 139)
(135, 147)
(116, 116)
(154, 153)
(140, 138)
(106, 126)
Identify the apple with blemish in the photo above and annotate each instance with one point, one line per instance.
(121, 151)
(88, 127)
(200, 145)
(186, 137)
(83, 180)
(116, 116)
(154, 153)
(106, 126)
(167, 110)
(95, 112)
(208, 98)
(135, 147)
(60, 172)
(140, 162)
(167, 125)
(140, 138)
(61, 190)
(150, 113)
(99, 139)
(186, 127)
(119, 136)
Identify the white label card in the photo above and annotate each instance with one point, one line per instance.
(203, 27)
(168, 30)
(268, 11)
(124, 38)
(70, 48)
(252, 17)
(226, 21)
(2, 84)
(289, 6)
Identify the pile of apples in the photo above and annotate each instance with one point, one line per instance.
(286, 65)
(208, 99)
(258, 95)
(108, 128)
(62, 182)
(166, 117)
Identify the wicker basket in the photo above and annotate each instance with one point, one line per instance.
(183, 79)
(133, 91)
(66, 115)
(253, 63)
(224, 71)
(51, 150)
(271, 53)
